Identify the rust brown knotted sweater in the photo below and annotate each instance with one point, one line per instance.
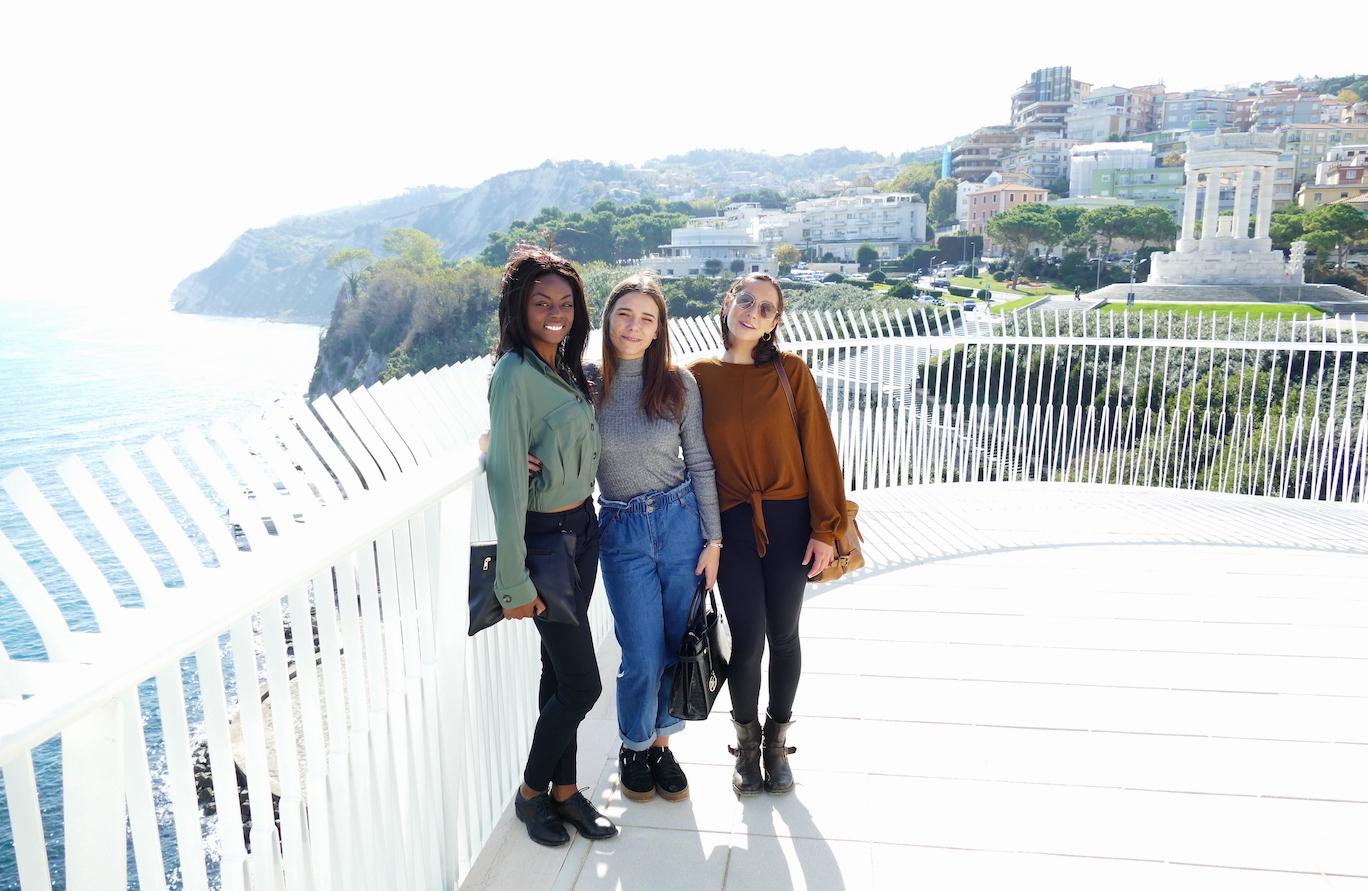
(757, 451)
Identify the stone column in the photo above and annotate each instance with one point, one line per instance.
(1244, 188)
(1212, 207)
(1189, 205)
(1265, 210)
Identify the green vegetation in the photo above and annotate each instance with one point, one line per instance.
(411, 308)
(1222, 310)
(987, 281)
(1022, 226)
(1330, 231)
(1355, 84)
(608, 232)
(411, 311)
(940, 205)
(1003, 307)
(918, 179)
(767, 198)
(1156, 401)
(351, 262)
(866, 255)
(786, 255)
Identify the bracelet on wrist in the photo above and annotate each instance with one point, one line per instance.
(714, 544)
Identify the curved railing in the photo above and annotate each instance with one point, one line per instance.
(1190, 401)
(169, 680)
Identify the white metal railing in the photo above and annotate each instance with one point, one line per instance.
(382, 755)
(1204, 401)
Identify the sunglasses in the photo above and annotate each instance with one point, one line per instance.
(766, 310)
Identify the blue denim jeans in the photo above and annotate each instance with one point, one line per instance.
(648, 550)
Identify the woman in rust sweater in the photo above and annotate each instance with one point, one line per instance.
(783, 505)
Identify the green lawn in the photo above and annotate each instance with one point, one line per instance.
(1018, 303)
(1239, 310)
(986, 281)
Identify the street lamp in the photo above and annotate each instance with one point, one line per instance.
(1130, 294)
(1100, 259)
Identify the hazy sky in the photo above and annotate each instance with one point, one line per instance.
(140, 138)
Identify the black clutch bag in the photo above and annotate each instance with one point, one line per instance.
(551, 566)
(703, 657)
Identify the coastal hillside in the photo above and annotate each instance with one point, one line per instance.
(281, 272)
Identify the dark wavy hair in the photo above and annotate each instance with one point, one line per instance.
(662, 390)
(527, 264)
(768, 347)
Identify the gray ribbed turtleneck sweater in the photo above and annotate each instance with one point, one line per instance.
(641, 455)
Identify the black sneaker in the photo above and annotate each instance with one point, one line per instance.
(634, 775)
(543, 824)
(669, 777)
(581, 814)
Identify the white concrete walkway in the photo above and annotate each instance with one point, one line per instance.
(1036, 685)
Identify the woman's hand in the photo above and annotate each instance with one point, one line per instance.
(819, 554)
(707, 564)
(533, 462)
(527, 610)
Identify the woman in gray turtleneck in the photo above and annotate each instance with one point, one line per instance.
(659, 521)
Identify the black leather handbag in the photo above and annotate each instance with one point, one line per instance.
(551, 566)
(703, 657)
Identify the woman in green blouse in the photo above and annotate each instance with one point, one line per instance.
(539, 403)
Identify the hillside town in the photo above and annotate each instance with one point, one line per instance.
(1066, 143)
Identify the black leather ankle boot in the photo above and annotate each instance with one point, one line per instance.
(746, 778)
(778, 776)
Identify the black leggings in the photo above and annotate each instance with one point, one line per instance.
(570, 682)
(763, 597)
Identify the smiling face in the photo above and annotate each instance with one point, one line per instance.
(550, 313)
(633, 324)
(753, 312)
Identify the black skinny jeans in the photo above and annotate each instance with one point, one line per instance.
(763, 597)
(570, 683)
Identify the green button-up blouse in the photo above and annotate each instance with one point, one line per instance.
(533, 409)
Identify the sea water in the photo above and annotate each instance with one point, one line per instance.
(76, 380)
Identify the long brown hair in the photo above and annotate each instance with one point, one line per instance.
(662, 391)
(527, 264)
(768, 347)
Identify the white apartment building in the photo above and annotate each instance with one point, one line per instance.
(892, 222)
(729, 239)
(743, 237)
(1087, 159)
(1041, 161)
(1114, 112)
(1343, 162)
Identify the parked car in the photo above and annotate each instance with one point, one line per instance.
(969, 306)
(940, 282)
